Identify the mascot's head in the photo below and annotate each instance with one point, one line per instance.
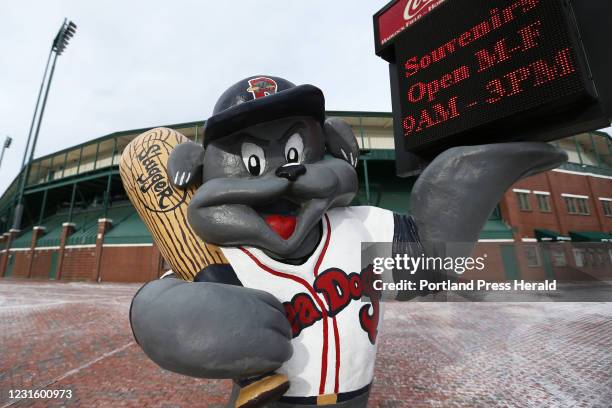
(272, 166)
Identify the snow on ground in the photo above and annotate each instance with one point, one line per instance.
(76, 336)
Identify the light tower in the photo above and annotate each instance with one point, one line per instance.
(60, 42)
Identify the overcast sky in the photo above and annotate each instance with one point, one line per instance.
(135, 64)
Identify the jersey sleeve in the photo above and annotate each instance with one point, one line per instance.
(218, 273)
(404, 229)
(406, 241)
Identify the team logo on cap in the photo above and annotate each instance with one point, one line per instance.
(261, 87)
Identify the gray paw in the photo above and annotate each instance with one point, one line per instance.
(185, 164)
(211, 330)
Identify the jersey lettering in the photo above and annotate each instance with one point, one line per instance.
(339, 289)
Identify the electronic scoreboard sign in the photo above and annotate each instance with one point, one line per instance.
(484, 71)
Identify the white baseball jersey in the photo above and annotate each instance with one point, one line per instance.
(334, 327)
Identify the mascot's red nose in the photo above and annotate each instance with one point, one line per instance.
(282, 225)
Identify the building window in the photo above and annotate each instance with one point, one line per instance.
(523, 200)
(579, 257)
(607, 207)
(576, 205)
(570, 204)
(532, 256)
(583, 206)
(589, 258)
(558, 257)
(543, 203)
(601, 257)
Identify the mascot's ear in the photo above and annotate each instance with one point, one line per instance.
(185, 164)
(340, 140)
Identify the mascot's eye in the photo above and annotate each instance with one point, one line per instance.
(254, 165)
(253, 158)
(294, 148)
(293, 156)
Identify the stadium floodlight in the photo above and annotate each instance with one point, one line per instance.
(7, 144)
(63, 36)
(60, 42)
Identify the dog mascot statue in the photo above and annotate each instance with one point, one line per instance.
(274, 181)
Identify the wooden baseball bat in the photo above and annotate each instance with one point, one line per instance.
(161, 206)
(163, 209)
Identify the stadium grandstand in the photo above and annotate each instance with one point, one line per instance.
(79, 225)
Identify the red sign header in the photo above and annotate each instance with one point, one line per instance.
(402, 15)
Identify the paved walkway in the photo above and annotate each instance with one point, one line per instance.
(76, 336)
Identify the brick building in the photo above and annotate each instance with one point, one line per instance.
(563, 201)
(79, 225)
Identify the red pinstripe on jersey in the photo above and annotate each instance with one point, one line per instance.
(335, 323)
(321, 305)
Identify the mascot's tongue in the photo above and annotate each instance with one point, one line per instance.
(282, 225)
